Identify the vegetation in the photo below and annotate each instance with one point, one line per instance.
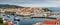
(8, 12)
(1, 22)
(46, 9)
(9, 6)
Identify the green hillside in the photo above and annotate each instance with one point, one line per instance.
(9, 6)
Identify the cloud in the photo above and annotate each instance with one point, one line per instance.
(32, 3)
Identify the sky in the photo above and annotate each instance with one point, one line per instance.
(32, 3)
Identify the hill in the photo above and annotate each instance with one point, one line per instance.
(55, 9)
(9, 6)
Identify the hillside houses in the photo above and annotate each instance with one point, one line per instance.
(25, 11)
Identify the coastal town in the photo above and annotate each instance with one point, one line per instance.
(31, 13)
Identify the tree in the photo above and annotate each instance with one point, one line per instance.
(8, 12)
(46, 9)
(1, 21)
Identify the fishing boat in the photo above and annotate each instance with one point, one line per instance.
(8, 16)
(16, 19)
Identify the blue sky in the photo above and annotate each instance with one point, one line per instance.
(32, 3)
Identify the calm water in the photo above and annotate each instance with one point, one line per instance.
(26, 21)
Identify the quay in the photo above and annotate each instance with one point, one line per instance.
(44, 17)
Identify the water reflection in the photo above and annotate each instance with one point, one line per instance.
(25, 21)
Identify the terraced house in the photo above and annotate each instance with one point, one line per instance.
(26, 11)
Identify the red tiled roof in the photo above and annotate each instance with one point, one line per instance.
(50, 22)
(58, 19)
(9, 23)
(41, 24)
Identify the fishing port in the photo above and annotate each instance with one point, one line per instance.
(27, 15)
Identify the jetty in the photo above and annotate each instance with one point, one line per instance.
(44, 17)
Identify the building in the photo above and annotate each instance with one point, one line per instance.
(50, 23)
(10, 23)
(26, 11)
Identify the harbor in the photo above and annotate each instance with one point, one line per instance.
(29, 12)
(27, 17)
(25, 20)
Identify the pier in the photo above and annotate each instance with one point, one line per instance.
(44, 17)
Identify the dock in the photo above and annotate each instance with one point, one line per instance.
(44, 17)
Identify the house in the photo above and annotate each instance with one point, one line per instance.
(50, 22)
(10, 23)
